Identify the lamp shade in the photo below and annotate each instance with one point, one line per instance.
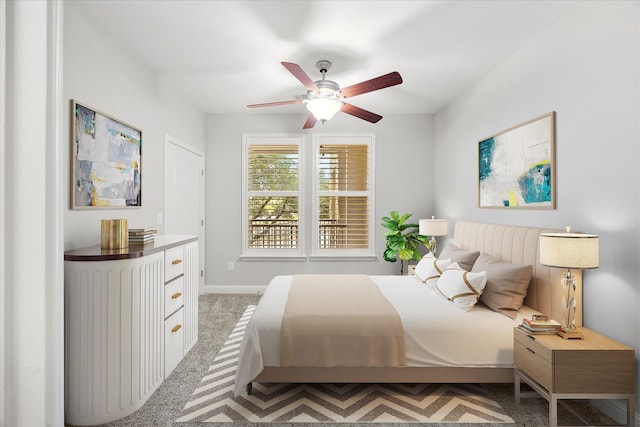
(324, 108)
(432, 227)
(569, 250)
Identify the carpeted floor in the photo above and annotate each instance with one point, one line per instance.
(218, 316)
(213, 399)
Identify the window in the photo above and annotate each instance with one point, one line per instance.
(275, 197)
(343, 180)
(272, 204)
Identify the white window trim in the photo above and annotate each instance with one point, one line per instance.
(298, 254)
(368, 254)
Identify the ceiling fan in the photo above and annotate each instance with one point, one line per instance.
(324, 97)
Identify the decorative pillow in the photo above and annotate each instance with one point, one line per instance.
(460, 286)
(507, 284)
(429, 268)
(463, 257)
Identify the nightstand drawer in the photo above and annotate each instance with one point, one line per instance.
(173, 296)
(531, 342)
(528, 359)
(173, 263)
(411, 269)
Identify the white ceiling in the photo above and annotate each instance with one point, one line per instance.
(225, 54)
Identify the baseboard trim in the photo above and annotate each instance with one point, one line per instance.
(234, 289)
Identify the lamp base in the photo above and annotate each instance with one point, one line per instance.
(570, 334)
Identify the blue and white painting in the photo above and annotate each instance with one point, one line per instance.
(107, 155)
(516, 166)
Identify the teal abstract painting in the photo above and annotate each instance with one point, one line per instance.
(516, 166)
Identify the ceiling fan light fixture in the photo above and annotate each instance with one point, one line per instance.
(323, 108)
(324, 98)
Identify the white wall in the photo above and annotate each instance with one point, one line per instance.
(587, 69)
(103, 74)
(404, 158)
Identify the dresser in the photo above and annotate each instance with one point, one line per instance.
(558, 369)
(130, 317)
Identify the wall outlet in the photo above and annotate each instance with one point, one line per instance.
(230, 266)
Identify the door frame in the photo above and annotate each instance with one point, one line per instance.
(168, 139)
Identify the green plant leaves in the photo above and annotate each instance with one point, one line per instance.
(390, 255)
(403, 240)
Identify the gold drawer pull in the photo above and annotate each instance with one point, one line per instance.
(176, 261)
(176, 295)
(176, 328)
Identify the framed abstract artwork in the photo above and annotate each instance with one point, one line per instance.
(106, 158)
(517, 166)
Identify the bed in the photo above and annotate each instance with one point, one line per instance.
(443, 342)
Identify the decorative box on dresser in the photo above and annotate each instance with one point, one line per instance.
(557, 369)
(130, 317)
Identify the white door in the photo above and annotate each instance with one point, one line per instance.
(184, 194)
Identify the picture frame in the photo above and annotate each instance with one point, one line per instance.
(516, 167)
(106, 159)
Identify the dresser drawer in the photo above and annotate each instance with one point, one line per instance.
(173, 296)
(173, 262)
(533, 358)
(173, 341)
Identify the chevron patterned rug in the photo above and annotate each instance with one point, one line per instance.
(213, 399)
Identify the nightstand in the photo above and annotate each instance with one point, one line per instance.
(595, 367)
(411, 268)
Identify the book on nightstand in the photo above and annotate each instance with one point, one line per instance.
(540, 326)
(537, 331)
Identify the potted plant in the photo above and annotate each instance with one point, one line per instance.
(403, 240)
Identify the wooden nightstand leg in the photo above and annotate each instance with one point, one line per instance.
(553, 411)
(516, 384)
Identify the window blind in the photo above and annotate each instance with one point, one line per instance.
(273, 196)
(343, 172)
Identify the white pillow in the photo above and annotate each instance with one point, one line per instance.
(461, 287)
(429, 268)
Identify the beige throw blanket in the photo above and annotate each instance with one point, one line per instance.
(340, 320)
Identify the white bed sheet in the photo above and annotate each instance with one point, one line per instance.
(437, 333)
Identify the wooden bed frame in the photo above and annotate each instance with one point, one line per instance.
(509, 243)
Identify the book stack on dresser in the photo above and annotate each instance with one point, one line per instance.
(142, 236)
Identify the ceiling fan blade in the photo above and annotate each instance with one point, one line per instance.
(360, 113)
(299, 74)
(377, 83)
(273, 104)
(311, 122)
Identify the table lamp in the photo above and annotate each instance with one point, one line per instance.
(433, 227)
(569, 250)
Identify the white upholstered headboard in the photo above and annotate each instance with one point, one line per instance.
(519, 245)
